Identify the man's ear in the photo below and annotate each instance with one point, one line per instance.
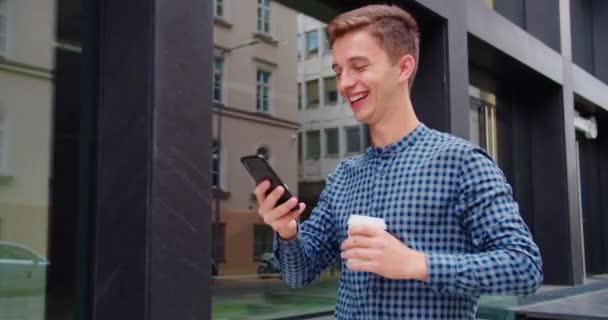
(407, 63)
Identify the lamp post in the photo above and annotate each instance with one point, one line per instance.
(217, 190)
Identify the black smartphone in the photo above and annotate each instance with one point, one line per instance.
(260, 170)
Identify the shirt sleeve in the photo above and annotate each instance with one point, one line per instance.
(302, 259)
(506, 260)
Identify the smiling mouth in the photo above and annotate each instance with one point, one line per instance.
(357, 97)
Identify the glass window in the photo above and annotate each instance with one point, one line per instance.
(264, 16)
(331, 91)
(299, 146)
(299, 97)
(299, 46)
(312, 94)
(312, 43)
(263, 91)
(218, 78)
(247, 277)
(219, 8)
(215, 164)
(332, 145)
(3, 26)
(482, 126)
(353, 139)
(42, 88)
(313, 145)
(263, 235)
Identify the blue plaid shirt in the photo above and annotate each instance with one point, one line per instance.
(438, 194)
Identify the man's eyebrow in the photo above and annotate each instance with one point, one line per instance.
(357, 58)
(351, 59)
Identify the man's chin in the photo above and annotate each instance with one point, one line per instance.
(361, 116)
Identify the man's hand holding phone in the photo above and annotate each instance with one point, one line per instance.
(281, 218)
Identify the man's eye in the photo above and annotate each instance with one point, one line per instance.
(360, 68)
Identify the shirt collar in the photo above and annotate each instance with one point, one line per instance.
(401, 144)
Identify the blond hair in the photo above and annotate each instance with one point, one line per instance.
(394, 28)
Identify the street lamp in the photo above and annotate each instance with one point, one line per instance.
(218, 149)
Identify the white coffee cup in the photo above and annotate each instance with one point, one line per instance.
(357, 219)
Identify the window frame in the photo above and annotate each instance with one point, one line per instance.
(222, 72)
(346, 135)
(260, 85)
(308, 134)
(310, 52)
(264, 15)
(337, 139)
(222, 4)
(315, 105)
(326, 92)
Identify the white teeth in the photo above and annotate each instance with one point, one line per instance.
(357, 97)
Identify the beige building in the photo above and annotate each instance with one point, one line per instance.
(255, 89)
(26, 88)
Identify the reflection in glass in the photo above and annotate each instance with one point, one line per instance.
(26, 86)
(271, 101)
(482, 121)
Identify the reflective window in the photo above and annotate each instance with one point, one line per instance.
(218, 73)
(332, 142)
(215, 164)
(264, 16)
(274, 106)
(263, 91)
(312, 94)
(312, 43)
(353, 139)
(29, 103)
(219, 8)
(313, 144)
(482, 121)
(331, 91)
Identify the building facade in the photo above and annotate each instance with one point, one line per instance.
(255, 103)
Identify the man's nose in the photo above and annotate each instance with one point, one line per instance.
(345, 83)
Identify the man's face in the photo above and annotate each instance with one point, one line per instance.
(367, 79)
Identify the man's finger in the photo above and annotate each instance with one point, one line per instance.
(291, 215)
(271, 200)
(360, 253)
(282, 210)
(363, 265)
(358, 242)
(260, 190)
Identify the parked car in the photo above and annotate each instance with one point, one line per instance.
(22, 270)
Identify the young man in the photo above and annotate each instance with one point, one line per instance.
(454, 231)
